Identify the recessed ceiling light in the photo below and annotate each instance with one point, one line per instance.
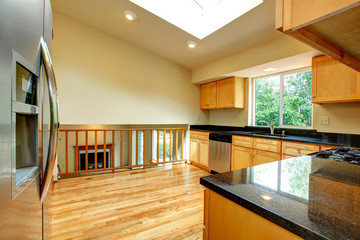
(269, 69)
(191, 44)
(131, 16)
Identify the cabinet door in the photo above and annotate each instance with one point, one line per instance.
(261, 157)
(226, 93)
(208, 95)
(241, 157)
(333, 81)
(204, 152)
(194, 150)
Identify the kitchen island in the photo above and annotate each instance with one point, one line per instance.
(298, 198)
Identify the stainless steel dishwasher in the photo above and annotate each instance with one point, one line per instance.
(220, 152)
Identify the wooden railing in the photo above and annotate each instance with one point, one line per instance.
(94, 150)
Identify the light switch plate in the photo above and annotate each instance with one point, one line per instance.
(324, 120)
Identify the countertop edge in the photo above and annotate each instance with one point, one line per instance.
(289, 138)
(268, 215)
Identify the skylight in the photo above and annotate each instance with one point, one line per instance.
(200, 18)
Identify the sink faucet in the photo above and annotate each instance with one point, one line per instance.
(271, 125)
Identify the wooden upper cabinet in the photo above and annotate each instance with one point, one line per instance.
(333, 81)
(230, 93)
(226, 93)
(208, 95)
(332, 27)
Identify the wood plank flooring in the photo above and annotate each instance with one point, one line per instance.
(152, 203)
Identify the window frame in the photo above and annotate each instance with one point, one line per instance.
(281, 119)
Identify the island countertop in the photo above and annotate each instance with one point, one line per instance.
(311, 197)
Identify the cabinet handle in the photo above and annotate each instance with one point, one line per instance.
(207, 104)
(254, 154)
(298, 150)
(250, 153)
(312, 96)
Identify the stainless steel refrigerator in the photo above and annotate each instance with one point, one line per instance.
(28, 118)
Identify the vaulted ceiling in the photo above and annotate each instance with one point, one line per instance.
(164, 39)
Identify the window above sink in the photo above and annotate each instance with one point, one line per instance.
(284, 98)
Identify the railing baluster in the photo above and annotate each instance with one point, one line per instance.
(95, 154)
(121, 149)
(182, 144)
(176, 144)
(151, 142)
(129, 144)
(158, 147)
(164, 144)
(76, 151)
(170, 152)
(67, 151)
(104, 162)
(86, 150)
(137, 148)
(144, 153)
(112, 151)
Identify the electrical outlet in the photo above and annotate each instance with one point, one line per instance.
(324, 120)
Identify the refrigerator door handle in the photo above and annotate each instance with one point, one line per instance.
(54, 119)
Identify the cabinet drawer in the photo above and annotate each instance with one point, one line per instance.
(243, 141)
(325, 147)
(298, 149)
(199, 135)
(204, 135)
(267, 145)
(262, 157)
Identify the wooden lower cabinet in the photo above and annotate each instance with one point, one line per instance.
(241, 157)
(199, 149)
(261, 157)
(224, 219)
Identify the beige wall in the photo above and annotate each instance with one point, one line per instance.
(273, 50)
(103, 80)
(343, 117)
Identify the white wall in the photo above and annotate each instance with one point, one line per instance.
(104, 80)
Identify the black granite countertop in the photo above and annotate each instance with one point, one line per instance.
(297, 135)
(311, 197)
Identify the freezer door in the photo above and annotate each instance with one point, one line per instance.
(21, 26)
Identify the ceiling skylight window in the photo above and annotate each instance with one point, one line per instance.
(200, 18)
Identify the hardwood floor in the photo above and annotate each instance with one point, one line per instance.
(152, 203)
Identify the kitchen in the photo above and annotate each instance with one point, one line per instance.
(112, 79)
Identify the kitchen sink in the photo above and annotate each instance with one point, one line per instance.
(271, 135)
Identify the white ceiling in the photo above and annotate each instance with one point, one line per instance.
(160, 37)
